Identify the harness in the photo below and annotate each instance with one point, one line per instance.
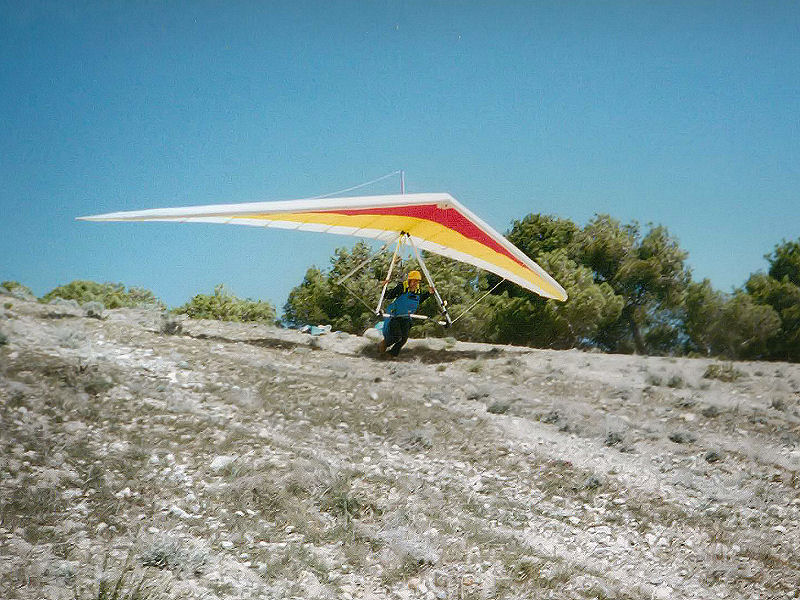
(405, 304)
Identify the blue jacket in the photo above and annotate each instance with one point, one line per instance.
(406, 301)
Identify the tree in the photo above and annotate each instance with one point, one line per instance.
(306, 303)
(577, 320)
(780, 290)
(648, 272)
(538, 234)
(623, 289)
(744, 328)
(785, 262)
(702, 308)
(319, 299)
(526, 318)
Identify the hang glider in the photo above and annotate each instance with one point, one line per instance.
(435, 222)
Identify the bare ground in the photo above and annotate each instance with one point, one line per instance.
(242, 461)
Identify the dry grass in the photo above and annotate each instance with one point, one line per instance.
(388, 475)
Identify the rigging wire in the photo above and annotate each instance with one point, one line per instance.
(357, 297)
(372, 255)
(341, 282)
(474, 304)
(360, 185)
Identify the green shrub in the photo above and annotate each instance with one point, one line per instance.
(500, 407)
(123, 582)
(167, 552)
(724, 372)
(653, 379)
(675, 381)
(224, 306)
(111, 295)
(12, 286)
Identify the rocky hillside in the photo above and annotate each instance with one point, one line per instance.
(241, 461)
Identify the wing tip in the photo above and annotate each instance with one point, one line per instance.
(551, 296)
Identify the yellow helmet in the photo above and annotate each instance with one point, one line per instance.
(414, 275)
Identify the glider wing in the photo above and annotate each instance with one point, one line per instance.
(437, 223)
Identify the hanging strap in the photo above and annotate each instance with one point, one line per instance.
(424, 267)
(400, 242)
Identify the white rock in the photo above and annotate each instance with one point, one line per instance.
(373, 334)
(663, 592)
(120, 446)
(221, 462)
(178, 512)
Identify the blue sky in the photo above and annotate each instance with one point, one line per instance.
(684, 114)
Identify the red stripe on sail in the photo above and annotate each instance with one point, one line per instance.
(447, 217)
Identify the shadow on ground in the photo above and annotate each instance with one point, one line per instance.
(369, 350)
(429, 356)
(260, 342)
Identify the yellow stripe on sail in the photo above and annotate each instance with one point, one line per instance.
(421, 229)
